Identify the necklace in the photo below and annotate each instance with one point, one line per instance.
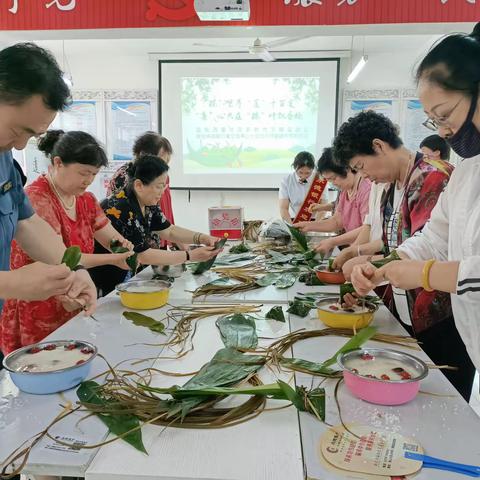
(353, 191)
(67, 207)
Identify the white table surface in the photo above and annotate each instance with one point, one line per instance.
(271, 443)
(267, 447)
(446, 426)
(23, 415)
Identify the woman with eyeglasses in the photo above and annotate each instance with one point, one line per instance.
(369, 143)
(352, 206)
(446, 256)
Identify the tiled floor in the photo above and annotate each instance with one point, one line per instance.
(475, 398)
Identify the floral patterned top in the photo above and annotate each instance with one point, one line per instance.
(127, 218)
(119, 182)
(23, 323)
(423, 187)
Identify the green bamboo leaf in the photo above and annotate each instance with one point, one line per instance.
(268, 279)
(231, 259)
(310, 279)
(141, 320)
(238, 331)
(202, 267)
(391, 258)
(276, 257)
(240, 248)
(317, 400)
(355, 342)
(227, 368)
(292, 395)
(116, 247)
(344, 289)
(276, 313)
(307, 367)
(72, 256)
(286, 280)
(299, 238)
(299, 308)
(118, 424)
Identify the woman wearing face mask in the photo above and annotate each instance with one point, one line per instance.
(60, 198)
(296, 193)
(446, 256)
(368, 142)
(135, 213)
(352, 204)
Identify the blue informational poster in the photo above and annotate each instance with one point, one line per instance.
(128, 120)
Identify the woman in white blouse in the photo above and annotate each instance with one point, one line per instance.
(446, 255)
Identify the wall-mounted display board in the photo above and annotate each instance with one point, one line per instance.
(114, 117)
(400, 105)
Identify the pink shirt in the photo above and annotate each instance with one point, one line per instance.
(353, 210)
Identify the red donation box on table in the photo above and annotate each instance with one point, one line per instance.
(228, 220)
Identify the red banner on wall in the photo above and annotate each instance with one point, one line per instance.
(91, 14)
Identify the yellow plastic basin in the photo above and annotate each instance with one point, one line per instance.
(144, 294)
(354, 321)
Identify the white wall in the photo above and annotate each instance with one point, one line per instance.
(118, 64)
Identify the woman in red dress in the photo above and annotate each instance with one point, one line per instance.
(60, 198)
(151, 143)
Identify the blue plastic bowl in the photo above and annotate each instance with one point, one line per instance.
(42, 383)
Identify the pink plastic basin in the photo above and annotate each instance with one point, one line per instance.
(383, 392)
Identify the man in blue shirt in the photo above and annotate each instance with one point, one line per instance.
(32, 91)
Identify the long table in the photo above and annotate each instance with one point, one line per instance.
(280, 444)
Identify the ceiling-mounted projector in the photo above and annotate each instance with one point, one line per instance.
(222, 10)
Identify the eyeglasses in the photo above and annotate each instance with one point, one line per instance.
(433, 124)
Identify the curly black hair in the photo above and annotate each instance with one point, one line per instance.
(356, 135)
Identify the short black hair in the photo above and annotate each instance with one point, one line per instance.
(326, 163)
(303, 159)
(436, 142)
(146, 169)
(73, 147)
(454, 63)
(356, 135)
(26, 70)
(151, 143)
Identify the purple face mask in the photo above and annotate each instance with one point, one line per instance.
(466, 141)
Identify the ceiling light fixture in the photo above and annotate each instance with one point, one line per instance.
(357, 69)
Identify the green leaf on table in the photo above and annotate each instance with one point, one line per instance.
(306, 366)
(238, 331)
(286, 280)
(276, 313)
(227, 368)
(141, 320)
(118, 423)
(355, 342)
(292, 395)
(230, 259)
(299, 238)
(310, 279)
(276, 257)
(268, 279)
(299, 308)
(202, 267)
(317, 401)
(240, 248)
